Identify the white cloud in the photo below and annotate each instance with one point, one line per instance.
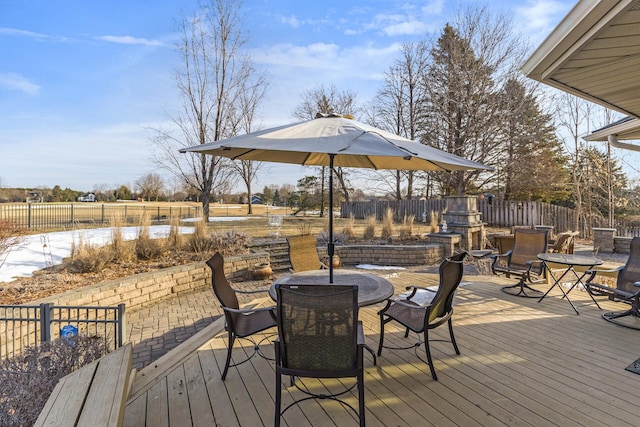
(130, 40)
(406, 28)
(540, 16)
(30, 34)
(434, 7)
(14, 81)
(291, 21)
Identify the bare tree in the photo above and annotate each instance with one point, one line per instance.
(212, 79)
(398, 108)
(573, 113)
(150, 186)
(254, 88)
(463, 108)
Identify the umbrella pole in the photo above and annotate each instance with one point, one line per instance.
(331, 246)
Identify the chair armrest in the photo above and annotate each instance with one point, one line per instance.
(414, 289)
(248, 310)
(409, 305)
(424, 288)
(361, 338)
(594, 271)
(255, 291)
(506, 254)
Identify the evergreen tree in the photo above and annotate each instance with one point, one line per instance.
(532, 163)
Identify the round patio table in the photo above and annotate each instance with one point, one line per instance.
(372, 289)
(569, 261)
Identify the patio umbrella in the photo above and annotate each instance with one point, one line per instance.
(332, 140)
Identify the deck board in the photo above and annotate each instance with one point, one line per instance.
(523, 363)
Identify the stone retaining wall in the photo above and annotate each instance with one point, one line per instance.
(143, 289)
(400, 255)
(146, 288)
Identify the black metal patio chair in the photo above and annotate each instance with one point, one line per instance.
(319, 336)
(422, 318)
(239, 322)
(522, 261)
(627, 289)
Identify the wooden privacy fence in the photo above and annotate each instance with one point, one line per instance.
(499, 213)
(48, 216)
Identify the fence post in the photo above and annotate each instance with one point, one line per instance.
(29, 215)
(122, 325)
(45, 322)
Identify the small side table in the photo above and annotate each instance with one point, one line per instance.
(570, 261)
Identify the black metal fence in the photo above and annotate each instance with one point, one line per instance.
(48, 216)
(22, 326)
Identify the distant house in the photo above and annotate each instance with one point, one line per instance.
(256, 200)
(34, 197)
(89, 197)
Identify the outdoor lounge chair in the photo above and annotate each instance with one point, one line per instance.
(564, 243)
(303, 254)
(422, 318)
(319, 336)
(627, 288)
(522, 261)
(239, 323)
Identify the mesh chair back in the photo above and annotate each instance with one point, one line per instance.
(631, 271)
(564, 243)
(221, 287)
(451, 270)
(526, 247)
(317, 326)
(303, 253)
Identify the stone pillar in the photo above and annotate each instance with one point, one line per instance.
(448, 240)
(603, 239)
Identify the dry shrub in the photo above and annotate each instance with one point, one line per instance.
(304, 229)
(230, 242)
(121, 250)
(26, 381)
(88, 258)
(175, 240)
(433, 221)
(348, 230)
(406, 231)
(146, 247)
(199, 241)
(387, 224)
(370, 227)
(10, 238)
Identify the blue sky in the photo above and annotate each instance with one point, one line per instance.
(82, 81)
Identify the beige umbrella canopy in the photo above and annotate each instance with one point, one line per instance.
(332, 140)
(350, 143)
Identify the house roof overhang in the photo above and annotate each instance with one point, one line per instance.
(594, 53)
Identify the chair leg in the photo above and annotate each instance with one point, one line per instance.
(361, 397)
(231, 340)
(278, 398)
(453, 338)
(428, 351)
(614, 315)
(522, 289)
(381, 336)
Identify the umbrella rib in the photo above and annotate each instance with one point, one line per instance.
(389, 141)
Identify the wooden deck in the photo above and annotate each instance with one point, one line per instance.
(523, 363)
